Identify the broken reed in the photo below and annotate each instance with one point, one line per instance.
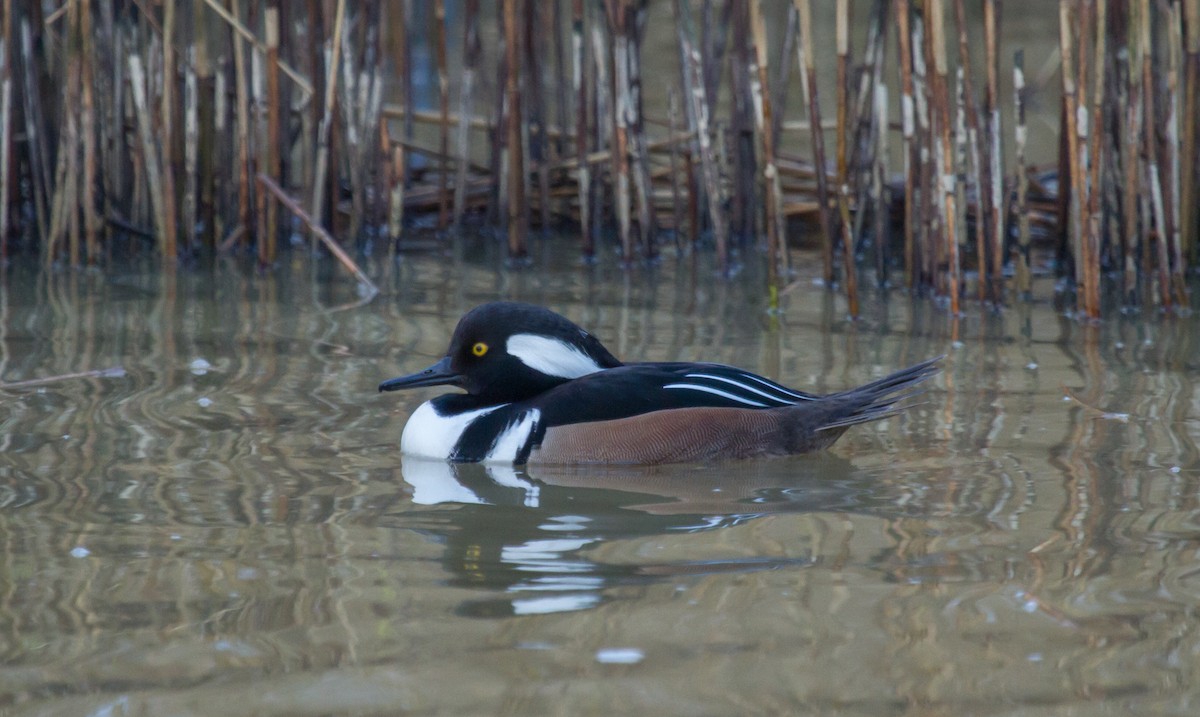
(191, 122)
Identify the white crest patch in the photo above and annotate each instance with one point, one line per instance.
(514, 438)
(432, 435)
(552, 357)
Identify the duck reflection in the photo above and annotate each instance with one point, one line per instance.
(532, 535)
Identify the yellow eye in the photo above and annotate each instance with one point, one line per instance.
(479, 349)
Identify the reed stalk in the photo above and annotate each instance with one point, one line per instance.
(396, 191)
(471, 53)
(191, 146)
(1096, 156)
(969, 137)
(908, 120)
(779, 90)
(579, 84)
(841, 31)
(273, 166)
(776, 244)
(397, 170)
(618, 60)
(927, 219)
(244, 148)
(879, 177)
(39, 157)
(231, 16)
(92, 220)
(553, 18)
(137, 80)
(967, 168)
(808, 67)
(330, 243)
(515, 150)
(1075, 162)
(1173, 232)
(704, 146)
(534, 123)
(995, 154)
(258, 116)
(6, 109)
(691, 170)
(443, 73)
(333, 56)
(166, 128)
(1024, 276)
(869, 124)
(740, 134)
(1189, 217)
(1150, 150)
(941, 101)
(639, 154)
(601, 116)
(676, 190)
(210, 118)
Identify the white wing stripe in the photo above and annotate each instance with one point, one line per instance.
(740, 385)
(716, 392)
(776, 387)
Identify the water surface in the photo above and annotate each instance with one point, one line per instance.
(216, 518)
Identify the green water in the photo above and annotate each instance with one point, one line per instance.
(220, 522)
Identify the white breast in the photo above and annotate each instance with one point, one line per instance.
(432, 435)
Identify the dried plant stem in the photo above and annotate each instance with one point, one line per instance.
(273, 167)
(969, 135)
(580, 87)
(620, 62)
(230, 16)
(842, 96)
(776, 246)
(439, 21)
(5, 135)
(333, 56)
(1097, 159)
(244, 151)
(941, 100)
(808, 68)
(39, 162)
(1072, 137)
(87, 120)
(1189, 218)
(1172, 230)
(137, 80)
(167, 130)
(1150, 150)
(319, 231)
(908, 119)
(471, 51)
(995, 151)
(1024, 277)
(515, 150)
(676, 190)
(699, 102)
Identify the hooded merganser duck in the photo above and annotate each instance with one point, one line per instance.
(540, 389)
